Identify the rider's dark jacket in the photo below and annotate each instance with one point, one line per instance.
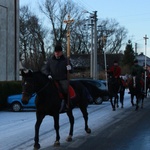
(57, 68)
(137, 71)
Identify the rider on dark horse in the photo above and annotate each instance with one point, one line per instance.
(138, 72)
(115, 72)
(56, 68)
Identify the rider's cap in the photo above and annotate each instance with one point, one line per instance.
(58, 48)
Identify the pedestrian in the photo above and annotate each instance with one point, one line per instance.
(56, 68)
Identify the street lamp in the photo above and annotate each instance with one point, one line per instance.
(104, 39)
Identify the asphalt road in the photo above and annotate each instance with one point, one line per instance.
(128, 131)
(123, 129)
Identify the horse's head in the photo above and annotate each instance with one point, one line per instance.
(27, 85)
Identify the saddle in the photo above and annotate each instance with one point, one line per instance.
(72, 92)
(133, 82)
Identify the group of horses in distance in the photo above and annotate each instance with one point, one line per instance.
(117, 86)
(48, 101)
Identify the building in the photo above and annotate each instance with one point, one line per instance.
(141, 61)
(9, 40)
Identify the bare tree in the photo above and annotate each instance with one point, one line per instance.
(32, 50)
(33, 37)
(57, 12)
(111, 36)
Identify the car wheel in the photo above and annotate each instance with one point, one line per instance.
(98, 101)
(16, 107)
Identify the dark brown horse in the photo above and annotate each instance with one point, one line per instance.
(136, 90)
(116, 91)
(147, 86)
(48, 102)
(113, 88)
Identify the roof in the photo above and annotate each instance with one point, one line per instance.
(141, 59)
(83, 60)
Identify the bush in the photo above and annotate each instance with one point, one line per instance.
(8, 88)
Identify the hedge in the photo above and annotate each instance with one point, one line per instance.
(8, 88)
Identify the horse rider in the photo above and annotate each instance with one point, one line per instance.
(56, 68)
(138, 72)
(115, 71)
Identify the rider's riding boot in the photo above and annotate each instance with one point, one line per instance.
(63, 107)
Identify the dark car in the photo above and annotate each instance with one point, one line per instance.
(97, 90)
(15, 103)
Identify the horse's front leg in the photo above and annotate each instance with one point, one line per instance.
(132, 97)
(39, 119)
(116, 100)
(137, 102)
(112, 104)
(56, 126)
(85, 116)
(122, 98)
(142, 103)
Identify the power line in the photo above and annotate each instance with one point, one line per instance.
(84, 5)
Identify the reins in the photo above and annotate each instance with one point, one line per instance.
(43, 88)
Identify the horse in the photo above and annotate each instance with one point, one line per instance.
(113, 88)
(116, 86)
(122, 87)
(136, 90)
(147, 86)
(48, 102)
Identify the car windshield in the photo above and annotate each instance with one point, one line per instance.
(98, 84)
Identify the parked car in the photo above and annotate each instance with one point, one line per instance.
(96, 88)
(15, 103)
(103, 81)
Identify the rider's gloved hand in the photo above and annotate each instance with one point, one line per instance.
(49, 77)
(68, 67)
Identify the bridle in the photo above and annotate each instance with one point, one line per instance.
(40, 90)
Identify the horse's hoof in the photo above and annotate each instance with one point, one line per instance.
(121, 106)
(37, 146)
(114, 109)
(57, 143)
(69, 138)
(88, 130)
(137, 107)
(117, 106)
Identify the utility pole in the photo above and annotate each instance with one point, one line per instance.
(95, 47)
(91, 56)
(145, 38)
(136, 49)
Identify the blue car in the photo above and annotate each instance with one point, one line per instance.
(16, 105)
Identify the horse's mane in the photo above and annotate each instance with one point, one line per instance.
(39, 74)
